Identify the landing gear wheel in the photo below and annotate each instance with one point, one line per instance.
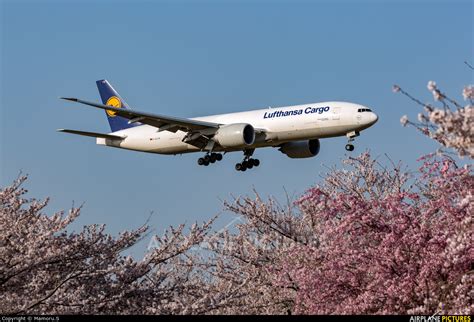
(218, 156)
(250, 163)
(254, 162)
(349, 147)
(206, 163)
(201, 161)
(207, 158)
(212, 158)
(240, 167)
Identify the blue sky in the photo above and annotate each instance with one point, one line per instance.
(197, 58)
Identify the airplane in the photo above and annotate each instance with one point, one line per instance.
(294, 130)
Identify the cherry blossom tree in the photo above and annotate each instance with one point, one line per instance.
(44, 269)
(390, 249)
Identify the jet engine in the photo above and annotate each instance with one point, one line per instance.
(300, 149)
(235, 135)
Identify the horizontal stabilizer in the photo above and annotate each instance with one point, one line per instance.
(93, 134)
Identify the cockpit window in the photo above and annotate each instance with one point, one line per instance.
(364, 110)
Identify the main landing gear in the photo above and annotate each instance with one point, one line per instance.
(248, 162)
(210, 158)
(351, 136)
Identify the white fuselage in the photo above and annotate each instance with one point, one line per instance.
(278, 125)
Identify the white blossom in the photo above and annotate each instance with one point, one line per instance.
(404, 120)
(431, 86)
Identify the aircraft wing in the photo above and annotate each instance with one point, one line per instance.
(164, 123)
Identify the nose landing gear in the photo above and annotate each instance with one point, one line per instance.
(351, 136)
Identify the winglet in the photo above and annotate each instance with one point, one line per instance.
(72, 99)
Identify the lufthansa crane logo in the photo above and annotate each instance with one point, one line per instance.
(114, 101)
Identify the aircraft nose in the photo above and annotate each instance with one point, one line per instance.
(372, 118)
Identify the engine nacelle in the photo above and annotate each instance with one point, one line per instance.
(235, 135)
(300, 149)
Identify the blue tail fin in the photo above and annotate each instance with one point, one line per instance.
(110, 97)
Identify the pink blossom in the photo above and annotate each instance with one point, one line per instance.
(468, 92)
